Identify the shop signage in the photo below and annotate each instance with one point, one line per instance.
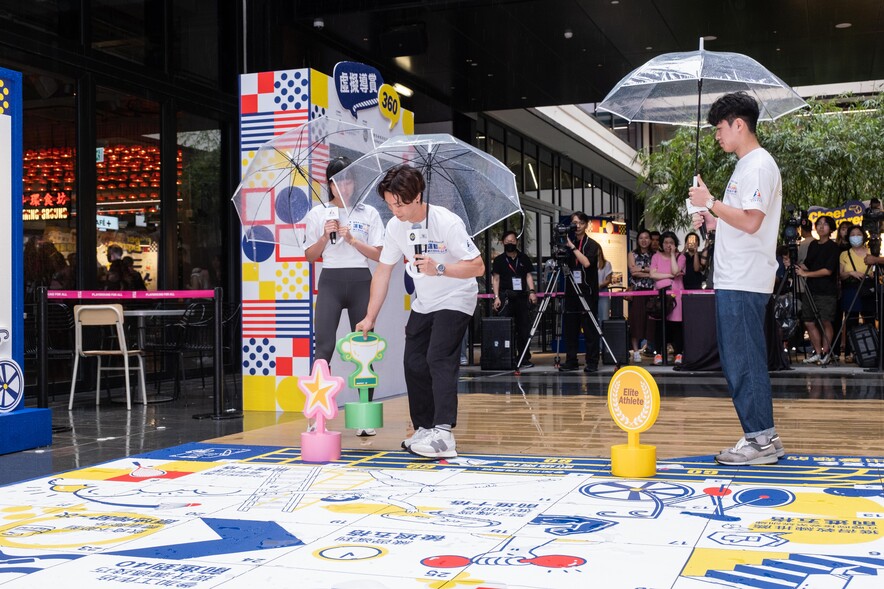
(357, 85)
(46, 206)
(107, 223)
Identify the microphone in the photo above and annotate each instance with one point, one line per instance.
(331, 214)
(417, 237)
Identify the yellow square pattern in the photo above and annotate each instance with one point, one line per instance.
(267, 290)
(250, 271)
(319, 84)
(261, 393)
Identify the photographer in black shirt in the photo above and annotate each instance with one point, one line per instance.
(513, 283)
(584, 268)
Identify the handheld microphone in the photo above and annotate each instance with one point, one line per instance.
(331, 214)
(695, 209)
(418, 238)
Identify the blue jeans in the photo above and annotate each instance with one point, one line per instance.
(742, 349)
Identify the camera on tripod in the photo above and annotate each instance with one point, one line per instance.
(872, 226)
(560, 249)
(795, 217)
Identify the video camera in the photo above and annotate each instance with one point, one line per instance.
(795, 218)
(559, 241)
(872, 226)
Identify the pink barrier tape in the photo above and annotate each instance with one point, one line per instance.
(539, 294)
(651, 293)
(130, 294)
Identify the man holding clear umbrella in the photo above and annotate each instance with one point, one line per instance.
(445, 289)
(748, 219)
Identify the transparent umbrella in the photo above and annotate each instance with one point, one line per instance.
(679, 88)
(470, 183)
(288, 173)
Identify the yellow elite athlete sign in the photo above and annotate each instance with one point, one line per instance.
(634, 402)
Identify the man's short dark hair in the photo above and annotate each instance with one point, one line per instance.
(405, 182)
(829, 221)
(874, 201)
(508, 233)
(737, 105)
(584, 218)
(654, 233)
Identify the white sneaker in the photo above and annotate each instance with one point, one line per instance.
(417, 435)
(366, 432)
(812, 359)
(637, 357)
(439, 443)
(775, 440)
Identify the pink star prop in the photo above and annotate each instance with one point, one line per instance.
(320, 389)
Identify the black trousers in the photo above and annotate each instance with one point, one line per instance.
(518, 307)
(432, 365)
(575, 320)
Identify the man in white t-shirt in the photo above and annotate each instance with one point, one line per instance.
(445, 298)
(748, 219)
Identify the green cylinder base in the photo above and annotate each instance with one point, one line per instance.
(364, 415)
(636, 461)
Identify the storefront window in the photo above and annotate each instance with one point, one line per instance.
(200, 230)
(129, 29)
(127, 165)
(195, 39)
(49, 182)
(547, 186)
(56, 17)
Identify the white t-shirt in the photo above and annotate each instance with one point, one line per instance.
(448, 242)
(744, 261)
(365, 224)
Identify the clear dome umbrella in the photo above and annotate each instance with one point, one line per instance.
(679, 88)
(287, 175)
(470, 183)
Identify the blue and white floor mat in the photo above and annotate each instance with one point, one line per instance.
(217, 515)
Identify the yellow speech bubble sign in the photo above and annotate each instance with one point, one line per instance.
(388, 102)
(633, 399)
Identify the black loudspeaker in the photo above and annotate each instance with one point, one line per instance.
(616, 332)
(864, 340)
(498, 344)
(404, 40)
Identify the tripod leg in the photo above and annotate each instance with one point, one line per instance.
(593, 320)
(544, 303)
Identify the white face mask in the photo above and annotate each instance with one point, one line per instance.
(856, 240)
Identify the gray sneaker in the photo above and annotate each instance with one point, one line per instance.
(777, 444)
(417, 435)
(758, 450)
(438, 444)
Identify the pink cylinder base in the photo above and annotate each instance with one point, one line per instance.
(320, 446)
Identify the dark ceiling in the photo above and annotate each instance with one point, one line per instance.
(481, 55)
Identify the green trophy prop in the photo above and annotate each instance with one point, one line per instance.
(362, 351)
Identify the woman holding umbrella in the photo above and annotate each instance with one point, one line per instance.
(345, 244)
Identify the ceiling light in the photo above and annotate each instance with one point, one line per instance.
(615, 1)
(843, 25)
(648, 48)
(403, 90)
(709, 37)
(568, 33)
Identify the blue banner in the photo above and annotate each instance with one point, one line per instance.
(357, 85)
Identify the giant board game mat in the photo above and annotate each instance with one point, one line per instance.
(217, 515)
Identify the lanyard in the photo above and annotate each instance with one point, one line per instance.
(516, 269)
(580, 244)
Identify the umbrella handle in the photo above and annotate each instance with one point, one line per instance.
(412, 271)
